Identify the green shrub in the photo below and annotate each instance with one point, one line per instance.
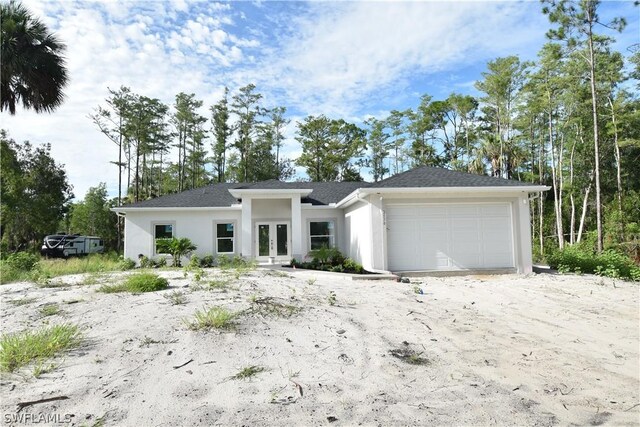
(352, 266)
(326, 255)
(146, 282)
(194, 261)
(146, 262)
(161, 263)
(609, 263)
(177, 247)
(20, 349)
(126, 264)
(207, 261)
(22, 261)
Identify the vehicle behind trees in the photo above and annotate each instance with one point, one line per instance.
(66, 245)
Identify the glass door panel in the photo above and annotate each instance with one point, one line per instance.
(263, 239)
(282, 239)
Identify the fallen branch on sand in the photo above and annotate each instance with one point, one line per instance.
(22, 405)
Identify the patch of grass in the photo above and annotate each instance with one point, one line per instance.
(113, 289)
(138, 283)
(270, 306)
(50, 310)
(248, 372)
(212, 318)
(20, 349)
(15, 270)
(176, 298)
(311, 281)
(277, 273)
(409, 356)
(22, 301)
(42, 368)
(222, 283)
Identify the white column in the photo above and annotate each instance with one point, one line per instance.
(246, 228)
(296, 228)
(524, 219)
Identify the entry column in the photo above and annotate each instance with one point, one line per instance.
(296, 227)
(246, 227)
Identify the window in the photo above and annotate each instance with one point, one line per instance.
(225, 238)
(161, 231)
(322, 234)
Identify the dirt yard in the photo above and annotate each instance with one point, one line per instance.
(475, 350)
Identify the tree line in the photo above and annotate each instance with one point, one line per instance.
(570, 119)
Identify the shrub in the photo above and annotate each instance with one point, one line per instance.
(146, 282)
(22, 261)
(126, 264)
(146, 262)
(609, 263)
(207, 261)
(326, 255)
(352, 266)
(20, 349)
(194, 262)
(177, 247)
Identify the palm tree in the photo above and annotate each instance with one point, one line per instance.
(33, 68)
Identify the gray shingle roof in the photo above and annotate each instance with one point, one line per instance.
(426, 176)
(324, 193)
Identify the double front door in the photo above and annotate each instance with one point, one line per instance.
(272, 240)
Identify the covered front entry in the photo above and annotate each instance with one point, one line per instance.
(273, 241)
(450, 236)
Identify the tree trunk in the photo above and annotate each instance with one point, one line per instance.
(618, 171)
(584, 211)
(594, 104)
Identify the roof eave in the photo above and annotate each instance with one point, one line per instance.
(124, 209)
(356, 195)
(269, 192)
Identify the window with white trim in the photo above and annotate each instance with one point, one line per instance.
(225, 238)
(162, 231)
(322, 234)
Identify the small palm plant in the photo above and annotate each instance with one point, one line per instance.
(176, 247)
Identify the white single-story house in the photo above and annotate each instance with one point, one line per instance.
(425, 219)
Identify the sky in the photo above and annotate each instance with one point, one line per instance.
(344, 59)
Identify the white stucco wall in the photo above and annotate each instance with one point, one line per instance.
(357, 218)
(197, 226)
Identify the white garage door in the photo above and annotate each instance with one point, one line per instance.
(449, 237)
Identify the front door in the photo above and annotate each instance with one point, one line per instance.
(272, 240)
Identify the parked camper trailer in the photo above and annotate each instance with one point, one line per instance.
(66, 245)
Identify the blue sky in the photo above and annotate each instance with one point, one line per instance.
(342, 59)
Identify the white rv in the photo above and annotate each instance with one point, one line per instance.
(66, 245)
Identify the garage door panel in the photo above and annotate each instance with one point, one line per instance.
(446, 237)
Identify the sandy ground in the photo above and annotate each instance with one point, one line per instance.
(498, 350)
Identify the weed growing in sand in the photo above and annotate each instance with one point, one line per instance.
(137, 283)
(50, 310)
(409, 356)
(212, 318)
(20, 349)
(270, 306)
(219, 284)
(41, 369)
(248, 372)
(331, 298)
(311, 281)
(277, 273)
(21, 301)
(176, 298)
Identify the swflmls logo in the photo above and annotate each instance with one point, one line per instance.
(39, 418)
